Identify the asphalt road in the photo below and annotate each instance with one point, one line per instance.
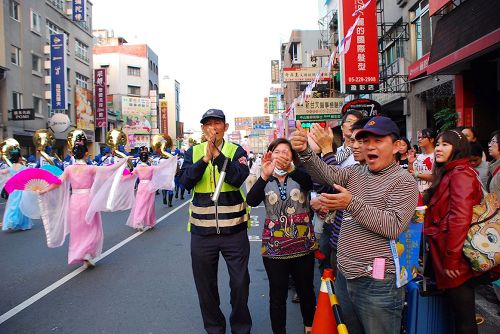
(142, 284)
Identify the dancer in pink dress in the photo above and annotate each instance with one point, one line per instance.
(151, 178)
(86, 236)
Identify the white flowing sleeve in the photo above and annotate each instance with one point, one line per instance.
(111, 190)
(54, 206)
(4, 177)
(163, 174)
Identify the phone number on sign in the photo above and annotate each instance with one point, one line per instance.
(362, 80)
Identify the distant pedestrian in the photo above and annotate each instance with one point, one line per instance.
(404, 147)
(494, 165)
(420, 166)
(477, 162)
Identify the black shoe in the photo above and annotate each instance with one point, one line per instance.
(164, 200)
(176, 195)
(169, 205)
(295, 298)
(182, 197)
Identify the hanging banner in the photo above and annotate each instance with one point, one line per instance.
(243, 123)
(275, 71)
(101, 113)
(83, 107)
(79, 11)
(272, 105)
(58, 72)
(359, 64)
(298, 74)
(163, 116)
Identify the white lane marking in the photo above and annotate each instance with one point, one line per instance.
(9, 314)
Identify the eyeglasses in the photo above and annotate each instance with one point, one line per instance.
(493, 141)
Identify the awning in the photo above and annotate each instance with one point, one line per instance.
(469, 31)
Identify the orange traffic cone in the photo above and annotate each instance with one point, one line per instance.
(324, 320)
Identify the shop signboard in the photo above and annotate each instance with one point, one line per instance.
(136, 114)
(359, 65)
(101, 113)
(243, 123)
(419, 67)
(320, 109)
(299, 74)
(275, 71)
(261, 122)
(25, 114)
(367, 107)
(58, 72)
(79, 11)
(83, 107)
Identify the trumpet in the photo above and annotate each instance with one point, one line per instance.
(160, 144)
(43, 138)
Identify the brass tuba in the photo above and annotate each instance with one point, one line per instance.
(160, 144)
(75, 135)
(6, 147)
(115, 138)
(43, 138)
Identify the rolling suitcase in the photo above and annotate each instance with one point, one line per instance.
(425, 311)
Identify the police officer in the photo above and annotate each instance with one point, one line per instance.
(219, 227)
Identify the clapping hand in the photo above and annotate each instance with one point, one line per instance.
(267, 166)
(211, 151)
(338, 201)
(323, 137)
(299, 138)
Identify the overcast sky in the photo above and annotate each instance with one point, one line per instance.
(219, 50)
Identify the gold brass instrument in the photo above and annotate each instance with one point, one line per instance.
(74, 136)
(43, 138)
(160, 143)
(6, 147)
(115, 138)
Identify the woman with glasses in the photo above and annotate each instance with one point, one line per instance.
(420, 165)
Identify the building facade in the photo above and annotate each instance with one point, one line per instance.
(170, 90)
(25, 28)
(132, 71)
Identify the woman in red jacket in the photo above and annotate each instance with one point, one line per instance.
(455, 190)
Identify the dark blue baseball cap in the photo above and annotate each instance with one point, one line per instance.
(213, 113)
(379, 126)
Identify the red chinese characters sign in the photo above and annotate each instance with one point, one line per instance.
(163, 116)
(101, 113)
(359, 65)
(419, 67)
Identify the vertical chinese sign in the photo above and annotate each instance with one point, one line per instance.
(359, 65)
(58, 72)
(79, 11)
(275, 71)
(163, 116)
(101, 114)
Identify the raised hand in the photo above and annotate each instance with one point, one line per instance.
(267, 167)
(323, 137)
(299, 138)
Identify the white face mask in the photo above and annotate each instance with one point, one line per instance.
(279, 172)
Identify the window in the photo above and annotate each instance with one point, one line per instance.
(295, 53)
(17, 100)
(36, 22)
(81, 80)
(134, 71)
(81, 51)
(14, 9)
(52, 28)
(422, 27)
(59, 4)
(134, 90)
(37, 105)
(15, 55)
(36, 63)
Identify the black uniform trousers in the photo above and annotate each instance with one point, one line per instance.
(235, 249)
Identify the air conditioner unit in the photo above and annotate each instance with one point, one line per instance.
(69, 11)
(47, 80)
(46, 49)
(46, 64)
(48, 95)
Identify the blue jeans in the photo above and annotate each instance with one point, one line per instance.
(370, 305)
